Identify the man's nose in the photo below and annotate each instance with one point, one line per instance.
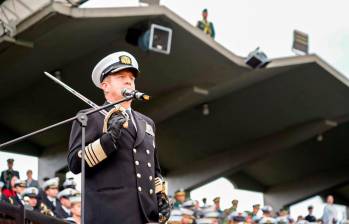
(128, 81)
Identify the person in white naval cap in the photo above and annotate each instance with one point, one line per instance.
(267, 217)
(30, 197)
(19, 187)
(50, 188)
(63, 211)
(75, 210)
(121, 163)
(69, 183)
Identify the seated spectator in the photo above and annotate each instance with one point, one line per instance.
(50, 188)
(10, 192)
(300, 220)
(232, 209)
(237, 217)
(217, 206)
(63, 210)
(310, 217)
(19, 187)
(284, 217)
(267, 215)
(180, 198)
(69, 183)
(30, 181)
(75, 210)
(30, 197)
(330, 213)
(204, 202)
(212, 215)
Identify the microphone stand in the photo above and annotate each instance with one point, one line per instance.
(82, 118)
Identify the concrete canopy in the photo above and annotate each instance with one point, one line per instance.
(260, 122)
(73, 41)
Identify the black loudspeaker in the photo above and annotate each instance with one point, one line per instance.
(155, 38)
(257, 59)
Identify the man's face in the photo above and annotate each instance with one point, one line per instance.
(19, 189)
(217, 204)
(52, 192)
(65, 202)
(10, 165)
(267, 214)
(235, 204)
(283, 213)
(32, 202)
(114, 83)
(330, 199)
(76, 209)
(180, 197)
(29, 174)
(204, 15)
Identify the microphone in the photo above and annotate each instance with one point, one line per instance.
(135, 94)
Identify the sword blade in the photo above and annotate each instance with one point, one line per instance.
(75, 93)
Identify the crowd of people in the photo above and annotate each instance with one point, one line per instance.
(186, 211)
(47, 199)
(66, 204)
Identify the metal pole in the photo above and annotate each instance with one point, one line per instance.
(82, 118)
(3, 145)
(19, 139)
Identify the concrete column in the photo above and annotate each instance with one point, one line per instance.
(52, 160)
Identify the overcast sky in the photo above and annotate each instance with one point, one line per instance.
(242, 25)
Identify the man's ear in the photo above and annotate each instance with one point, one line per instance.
(104, 86)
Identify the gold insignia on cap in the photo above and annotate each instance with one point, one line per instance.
(124, 59)
(33, 191)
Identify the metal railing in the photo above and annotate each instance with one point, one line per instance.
(10, 214)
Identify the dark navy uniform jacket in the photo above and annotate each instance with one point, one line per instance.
(50, 204)
(121, 187)
(61, 213)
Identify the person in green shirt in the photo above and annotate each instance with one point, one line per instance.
(205, 25)
(180, 198)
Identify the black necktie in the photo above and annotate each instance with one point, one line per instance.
(131, 127)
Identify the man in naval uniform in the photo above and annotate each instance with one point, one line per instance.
(7, 175)
(62, 211)
(122, 163)
(49, 199)
(19, 188)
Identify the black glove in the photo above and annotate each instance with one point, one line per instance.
(164, 207)
(114, 126)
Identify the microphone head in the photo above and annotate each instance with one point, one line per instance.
(126, 92)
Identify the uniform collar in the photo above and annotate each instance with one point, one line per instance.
(107, 102)
(67, 210)
(51, 198)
